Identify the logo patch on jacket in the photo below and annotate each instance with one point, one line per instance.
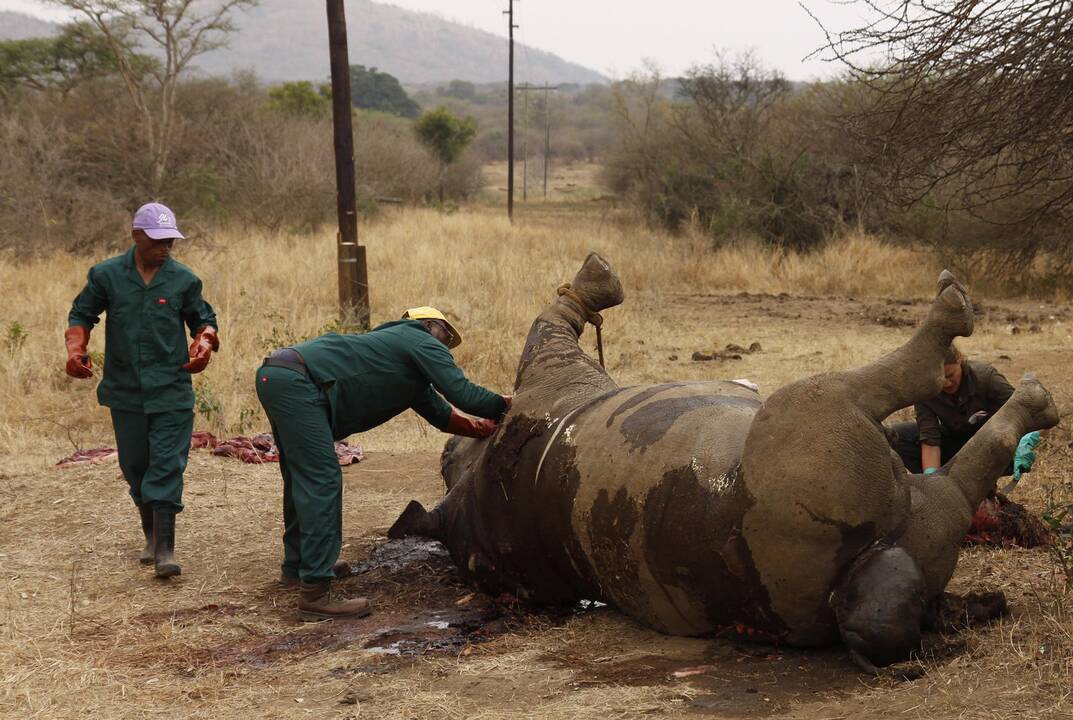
(162, 301)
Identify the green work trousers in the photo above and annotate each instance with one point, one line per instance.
(153, 450)
(312, 480)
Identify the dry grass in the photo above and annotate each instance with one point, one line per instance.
(272, 290)
(84, 632)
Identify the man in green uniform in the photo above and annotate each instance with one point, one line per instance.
(339, 384)
(149, 298)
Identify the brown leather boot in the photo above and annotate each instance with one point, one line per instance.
(288, 581)
(164, 545)
(146, 556)
(315, 604)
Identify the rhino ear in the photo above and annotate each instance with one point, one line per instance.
(879, 605)
(415, 520)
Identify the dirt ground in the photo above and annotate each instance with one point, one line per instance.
(84, 630)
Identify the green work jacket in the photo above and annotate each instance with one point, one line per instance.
(399, 365)
(145, 346)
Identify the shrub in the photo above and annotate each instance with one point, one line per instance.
(75, 166)
(737, 150)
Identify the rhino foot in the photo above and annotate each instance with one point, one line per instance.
(879, 606)
(597, 284)
(952, 309)
(1037, 402)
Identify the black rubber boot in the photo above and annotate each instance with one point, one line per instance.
(146, 556)
(164, 545)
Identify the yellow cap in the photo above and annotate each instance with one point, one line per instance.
(431, 313)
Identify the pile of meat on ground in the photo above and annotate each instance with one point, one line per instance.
(259, 448)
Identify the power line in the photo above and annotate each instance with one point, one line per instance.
(509, 12)
(526, 88)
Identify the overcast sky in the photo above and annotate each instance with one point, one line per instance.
(616, 36)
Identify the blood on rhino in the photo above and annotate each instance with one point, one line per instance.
(697, 506)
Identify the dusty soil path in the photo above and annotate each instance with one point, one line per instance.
(84, 630)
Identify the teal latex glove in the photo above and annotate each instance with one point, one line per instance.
(1025, 455)
(929, 471)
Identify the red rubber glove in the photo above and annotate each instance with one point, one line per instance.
(79, 364)
(467, 426)
(201, 349)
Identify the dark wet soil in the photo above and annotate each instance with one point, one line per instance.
(733, 680)
(420, 605)
(397, 555)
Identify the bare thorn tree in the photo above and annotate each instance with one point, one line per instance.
(971, 109)
(174, 32)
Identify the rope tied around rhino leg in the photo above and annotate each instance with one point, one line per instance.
(595, 318)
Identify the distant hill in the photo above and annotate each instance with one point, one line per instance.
(288, 40)
(17, 26)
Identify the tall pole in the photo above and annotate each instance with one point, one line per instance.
(525, 147)
(547, 139)
(509, 12)
(353, 272)
(526, 88)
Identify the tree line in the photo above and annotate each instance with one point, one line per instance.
(958, 141)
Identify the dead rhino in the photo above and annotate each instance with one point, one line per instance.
(697, 506)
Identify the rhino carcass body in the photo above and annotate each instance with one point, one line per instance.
(695, 506)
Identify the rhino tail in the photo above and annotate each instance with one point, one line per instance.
(416, 521)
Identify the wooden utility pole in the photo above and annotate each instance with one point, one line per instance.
(526, 88)
(525, 144)
(547, 137)
(353, 272)
(509, 12)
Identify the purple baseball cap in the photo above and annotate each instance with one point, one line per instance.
(158, 222)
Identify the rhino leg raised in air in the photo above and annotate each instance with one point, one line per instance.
(878, 604)
(913, 372)
(554, 374)
(554, 377)
(819, 465)
(943, 503)
(879, 600)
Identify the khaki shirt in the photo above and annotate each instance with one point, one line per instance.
(983, 389)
